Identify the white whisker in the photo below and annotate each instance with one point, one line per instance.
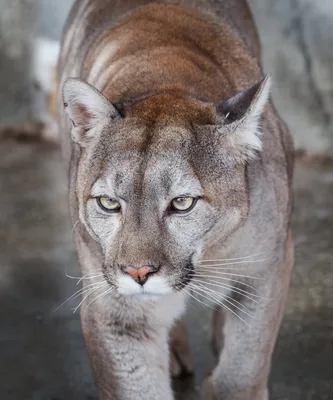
(241, 305)
(239, 291)
(237, 258)
(232, 263)
(193, 288)
(110, 289)
(217, 278)
(224, 306)
(74, 226)
(198, 273)
(190, 299)
(227, 299)
(89, 277)
(223, 268)
(77, 294)
(87, 294)
(71, 277)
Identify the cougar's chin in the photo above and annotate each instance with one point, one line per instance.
(155, 287)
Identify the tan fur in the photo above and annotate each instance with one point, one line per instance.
(168, 99)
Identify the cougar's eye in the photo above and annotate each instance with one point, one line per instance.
(182, 204)
(108, 204)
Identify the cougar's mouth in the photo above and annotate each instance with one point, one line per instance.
(153, 287)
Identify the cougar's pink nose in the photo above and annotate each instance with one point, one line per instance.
(139, 274)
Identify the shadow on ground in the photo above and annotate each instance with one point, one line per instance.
(42, 351)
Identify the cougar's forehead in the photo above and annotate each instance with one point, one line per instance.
(154, 162)
(156, 147)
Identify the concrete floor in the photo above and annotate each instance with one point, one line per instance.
(42, 354)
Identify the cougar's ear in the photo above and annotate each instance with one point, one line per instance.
(239, 120)
(87, 109)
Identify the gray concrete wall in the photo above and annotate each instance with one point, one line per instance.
(51, 17)
(17, 26)
(298, 52)
(20, 22)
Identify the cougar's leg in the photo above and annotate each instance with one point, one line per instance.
(244, 364)
(129, 356)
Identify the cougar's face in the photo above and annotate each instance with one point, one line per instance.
(154, 198)
(161, 180)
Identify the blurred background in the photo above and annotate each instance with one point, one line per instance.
(42, 354)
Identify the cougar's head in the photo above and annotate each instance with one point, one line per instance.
(161, 179)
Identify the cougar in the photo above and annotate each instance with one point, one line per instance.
(180, 176)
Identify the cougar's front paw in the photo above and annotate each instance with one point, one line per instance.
(207, 391)
(180, 355)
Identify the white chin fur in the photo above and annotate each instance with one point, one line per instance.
(155, 286)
